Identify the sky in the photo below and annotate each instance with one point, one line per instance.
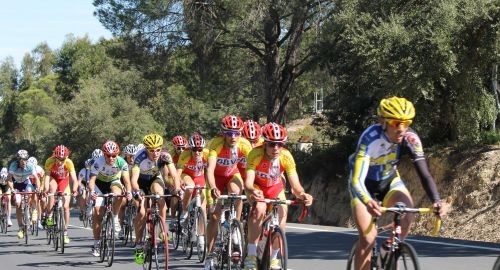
(26, 23)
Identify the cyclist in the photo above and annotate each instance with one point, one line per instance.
(18, 179)
(180, 143)
(105, 177)
(58, 171)
(191, 167)
(265, 164)
(147, 175)
(4, 189)
(252, 132)
(83, 181)
(96, 153)
(374, 175)
(226, 163)
(36, 206)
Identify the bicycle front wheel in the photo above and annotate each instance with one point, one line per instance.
(235, 246)
(61, 227)
(176, 230)
(200, 228)
(110, 239)
(403, 258)
(352, 254)
(276, 241)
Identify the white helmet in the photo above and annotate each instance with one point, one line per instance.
(96, 153)
(3, 174)
(140, 147)
(130, 149)
(22, 154)
(33, 161)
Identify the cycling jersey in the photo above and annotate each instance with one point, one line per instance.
(268, 170)
(229, 159)
(193, 166)
(84, 176)
(21, 175)
(57, 170)
(376, 160)
(149, 169)
(106, 172)
(258, 143)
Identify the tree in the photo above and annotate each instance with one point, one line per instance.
(439, 55)
(271, 31)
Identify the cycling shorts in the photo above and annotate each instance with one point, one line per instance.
(222, 181)
(380, 190)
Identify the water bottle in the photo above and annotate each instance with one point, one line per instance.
(384, 250)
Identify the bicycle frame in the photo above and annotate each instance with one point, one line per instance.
(195, 225)
(107, 243)
(155, 243)
(4, 212)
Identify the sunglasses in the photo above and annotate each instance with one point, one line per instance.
(157, 150)
(197, 149)
(111, 156)
(397, 123)
(274, 144)
(180, 148)
(232, 133)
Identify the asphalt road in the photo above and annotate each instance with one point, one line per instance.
(310, 247)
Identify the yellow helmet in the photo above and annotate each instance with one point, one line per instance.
(152, 141)
(396, 108)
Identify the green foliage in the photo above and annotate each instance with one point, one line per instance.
(437, 54)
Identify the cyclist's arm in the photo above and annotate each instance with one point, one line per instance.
(47, 182)
(134, 177)
(427, 180)
(126, 181)
(298, 190)
(175, 175)
(360, 170)
(212, 162)
(92, 179)
(9, 181)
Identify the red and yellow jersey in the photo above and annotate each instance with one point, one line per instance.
(229, 159)
(192, 165)
(268, 171)
(59, 171)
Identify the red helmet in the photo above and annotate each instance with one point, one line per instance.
(61, 152)
(231, 123)
(110, 148)
(196, 141)
(273, 132)
(251, 130)
(179, 140)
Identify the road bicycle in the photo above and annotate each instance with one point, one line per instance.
(26, 212)
(128, 222)
(155, 236)
(4, 216)
(395, 253)
(34, 222)
(193, 229)
(107, 239)
(272, 236)
(55, 232)
(230, 243)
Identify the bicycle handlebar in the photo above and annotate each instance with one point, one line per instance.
(195, 187)
(57, 194)
(232, 196)
(399, 210)
(303, 213)
(111, 195)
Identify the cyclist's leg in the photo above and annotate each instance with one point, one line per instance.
(213, 223)
(255, 220)
(98, 213)
(363, 220)
(63, 186)
(187, 194)
(235, 185)
(399, 193)
(50, 204)
(118, 203)
(18, 199)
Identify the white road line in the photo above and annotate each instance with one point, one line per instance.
(410, 240)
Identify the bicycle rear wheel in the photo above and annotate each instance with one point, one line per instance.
(404, 258)
(128, 224)
(278, 239)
